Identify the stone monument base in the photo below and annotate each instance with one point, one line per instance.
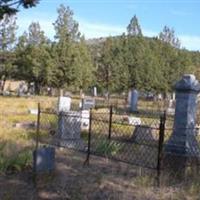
(179, 166)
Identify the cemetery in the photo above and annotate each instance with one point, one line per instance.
(154, 140)
(93, 106)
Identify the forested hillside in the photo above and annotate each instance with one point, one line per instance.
(113, 64)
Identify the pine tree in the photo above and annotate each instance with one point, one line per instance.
(34, 62)
(168, 36)
(134, 29)
(84, 71)
(67, 35)
(65, 26)
(10, 7)
(8, 29)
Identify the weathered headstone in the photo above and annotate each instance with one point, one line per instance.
(64, 104)
(182, 143)
(134, 120)
(32, 89)
(129, 97)
(143, 134)
(44, 159)
(85, 119)
(21, 89)
(69, 129)
(173, 96)
(160, 97)
(171, 107)
(88, 103)
(95, 91)
(134, 100)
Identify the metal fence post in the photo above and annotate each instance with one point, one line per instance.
(36, 146)
(160, 144)
(110, 122)
(89, 139)
(38, 126)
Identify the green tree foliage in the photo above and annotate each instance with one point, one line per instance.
(133, 29)
(83, 66)
(8, 29)
(73, 65)
(113, 64)
(34, 61)
(10, 7)
(106, 67)
(168, 36)
(65, 26)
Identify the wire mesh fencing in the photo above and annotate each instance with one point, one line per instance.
(131, 138)
(144, 139)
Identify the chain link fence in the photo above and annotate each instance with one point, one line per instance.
(139, 138)
(128, 137)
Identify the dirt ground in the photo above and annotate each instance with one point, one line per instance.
(103, 179)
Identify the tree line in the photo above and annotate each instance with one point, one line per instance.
(112, 64)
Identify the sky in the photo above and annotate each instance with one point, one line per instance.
(100, 18)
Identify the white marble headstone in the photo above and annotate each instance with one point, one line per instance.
(95, 91)
(88, 103)
(64, 104)
(85, 119)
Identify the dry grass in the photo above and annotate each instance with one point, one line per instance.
(103, 179)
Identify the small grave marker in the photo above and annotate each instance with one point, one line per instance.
(64, 104)
(88, 103)
(134, 100)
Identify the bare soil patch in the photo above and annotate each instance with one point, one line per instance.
(103, 179)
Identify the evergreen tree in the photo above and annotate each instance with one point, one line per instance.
(10, 7)
(134, 29)
(8, 29)
(34, 61)
(83, 66)
(64, 50)
(65, 26)
(168, 36)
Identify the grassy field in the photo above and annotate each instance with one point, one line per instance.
(103, 179)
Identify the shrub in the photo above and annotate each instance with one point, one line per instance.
(108, 147)
(15, 162)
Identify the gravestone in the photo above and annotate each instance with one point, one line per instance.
(32, 89)
(95, 91)
(134, 120)
(143, 134)
(134, 100)
(171, 107)
(85, 119)
(183, 144)
(44, 159)
(173, 96)
(64, 104)
(160, 97)
(21, 90)
(69, 129)
(129, 97)
(88, 103)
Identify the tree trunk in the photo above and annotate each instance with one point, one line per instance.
(3, 83)
(37, 88)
